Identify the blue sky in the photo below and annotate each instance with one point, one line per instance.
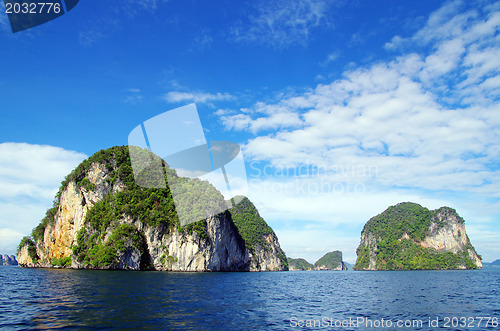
(342, 108)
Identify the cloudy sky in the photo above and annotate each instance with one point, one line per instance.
(342, 108)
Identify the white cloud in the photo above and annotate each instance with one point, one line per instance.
(37, 167)
(265, 117)
(409, 117)
(30, 176)
(9, 239)
(90, 36)
(281, 23)
(332, 57)
(197, 97)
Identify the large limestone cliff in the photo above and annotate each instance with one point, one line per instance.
(268, 257)
(261, 242)
(409, 236)
(102, 220)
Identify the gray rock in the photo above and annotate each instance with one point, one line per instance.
(8, 260)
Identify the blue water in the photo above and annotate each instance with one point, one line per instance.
(85, 299)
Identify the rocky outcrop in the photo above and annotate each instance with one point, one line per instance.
(447, 234)
(299, 264)
(409, 236)
(331, 261)
(8, 260)
(102, 220)
(269, 256)
(261, 242)
(369, 242)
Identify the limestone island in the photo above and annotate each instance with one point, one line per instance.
(101, 219)
(8, 260)
(329, 261)
(408, 236)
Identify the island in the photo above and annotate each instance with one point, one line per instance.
(494, 264)
(408, 236)
(8, 260)
(329, 261)
(101, 219)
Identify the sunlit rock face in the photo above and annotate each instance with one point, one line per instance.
(129, 242)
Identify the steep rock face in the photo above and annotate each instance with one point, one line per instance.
(60, 234)
(267, 257)
(174, 250)
(24, 259)
(369, 242)
(409, 236)
(261, 242)
(451, 237)
(104, 221)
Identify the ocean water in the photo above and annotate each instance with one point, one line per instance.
(349, 300)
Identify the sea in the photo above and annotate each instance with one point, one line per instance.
(52, 299)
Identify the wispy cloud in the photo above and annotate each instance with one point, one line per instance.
(262, 117)
(132, 6)
(197, 97)
(133, 95)
(105, 24)
(330, 58)
(281, 23)
(202, 41)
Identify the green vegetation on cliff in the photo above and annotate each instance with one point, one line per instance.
(152, 206)
(104, 239)
(299, 264)
(252, 227)
(28, 241)
(398, 231)
(331, 260)
(408, 217)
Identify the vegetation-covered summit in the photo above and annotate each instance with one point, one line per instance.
(331, 260)
(404, 218)
(299, 264)
(393, 240)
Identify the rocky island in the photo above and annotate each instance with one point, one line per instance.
(101, 219)
(408, 236)
(8, 260)
(299, 264)
(329, 261)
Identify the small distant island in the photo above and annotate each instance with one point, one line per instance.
(494, 264)
(408, 236)
(8, 260)
(329, 261)
(101, 219)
